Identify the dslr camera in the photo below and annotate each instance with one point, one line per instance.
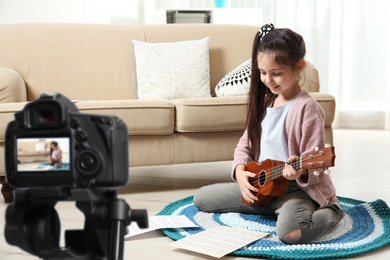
(94, 147)
(53, 152)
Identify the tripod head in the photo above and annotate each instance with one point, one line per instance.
(32, 223)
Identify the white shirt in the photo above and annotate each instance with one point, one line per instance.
(273, 138)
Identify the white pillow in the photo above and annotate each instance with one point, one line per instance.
(173, 69)
(237, 82)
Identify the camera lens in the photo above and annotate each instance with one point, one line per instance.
(88, 163)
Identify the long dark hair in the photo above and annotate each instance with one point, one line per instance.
(288, 48)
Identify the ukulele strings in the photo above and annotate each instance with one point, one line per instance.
(277, 171)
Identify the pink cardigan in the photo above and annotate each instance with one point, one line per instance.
(304, 129)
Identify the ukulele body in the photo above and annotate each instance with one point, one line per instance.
(269, 178)
(268, 188)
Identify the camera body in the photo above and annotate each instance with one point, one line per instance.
(94, 148)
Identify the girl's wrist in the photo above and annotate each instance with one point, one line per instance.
(240, 168)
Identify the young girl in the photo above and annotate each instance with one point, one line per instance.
(283, 123)
(55, 157)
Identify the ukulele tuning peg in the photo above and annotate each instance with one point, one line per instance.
(327, 145)
(316, 149)
(327, 172)
(316, 173)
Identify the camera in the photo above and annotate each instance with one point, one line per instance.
(53, 152)
(94, 148)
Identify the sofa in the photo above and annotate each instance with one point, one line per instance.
(33, 151)
(95, 66)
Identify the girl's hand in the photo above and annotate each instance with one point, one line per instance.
(242, 177)
(289, 172)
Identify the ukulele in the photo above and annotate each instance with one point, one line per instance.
(270, 181)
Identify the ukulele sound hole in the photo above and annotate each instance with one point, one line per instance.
(262, 178)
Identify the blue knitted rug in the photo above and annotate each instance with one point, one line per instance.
(48, 167)
(364, 228)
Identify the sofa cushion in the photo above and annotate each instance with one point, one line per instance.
(71, 58)
(172, 69)
(210, 114)
(142, 117)
(228, 113)
(309, 78)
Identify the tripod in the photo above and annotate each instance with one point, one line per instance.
(32, 223)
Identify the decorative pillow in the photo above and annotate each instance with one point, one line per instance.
(237, 82)
(173, 69)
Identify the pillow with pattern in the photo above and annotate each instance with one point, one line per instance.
(235, 83)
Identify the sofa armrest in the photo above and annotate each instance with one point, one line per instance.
(12, 86)
(328, 104)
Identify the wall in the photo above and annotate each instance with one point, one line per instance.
(97, 11)
(57, 11)
(74, 11)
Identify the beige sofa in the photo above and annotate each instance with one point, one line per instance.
(95, 65)
(33, 151)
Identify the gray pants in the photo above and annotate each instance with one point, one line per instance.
(295, 210)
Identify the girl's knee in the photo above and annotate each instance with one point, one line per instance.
(292, 237)
(202, 199)
(198, 200)
(291, 232)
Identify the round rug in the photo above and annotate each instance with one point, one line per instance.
(364, 228)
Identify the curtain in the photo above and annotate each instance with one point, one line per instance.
(349, 43)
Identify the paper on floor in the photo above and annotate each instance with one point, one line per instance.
(218, 241)
(159, 222)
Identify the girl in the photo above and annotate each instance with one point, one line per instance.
(283, 123)
(55, 157)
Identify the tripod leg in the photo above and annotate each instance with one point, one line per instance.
(116, 244)
(120, 217)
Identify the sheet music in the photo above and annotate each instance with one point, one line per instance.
(218, 241)
(158, 222)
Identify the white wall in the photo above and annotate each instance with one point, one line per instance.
(56, 11)
(97, 11)
(77, 11)
(74, 11)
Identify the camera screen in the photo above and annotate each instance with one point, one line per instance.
(43, 154)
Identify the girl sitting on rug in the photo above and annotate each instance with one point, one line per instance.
(283, 122)
(55, 156)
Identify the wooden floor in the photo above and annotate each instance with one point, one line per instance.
(362, 172)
